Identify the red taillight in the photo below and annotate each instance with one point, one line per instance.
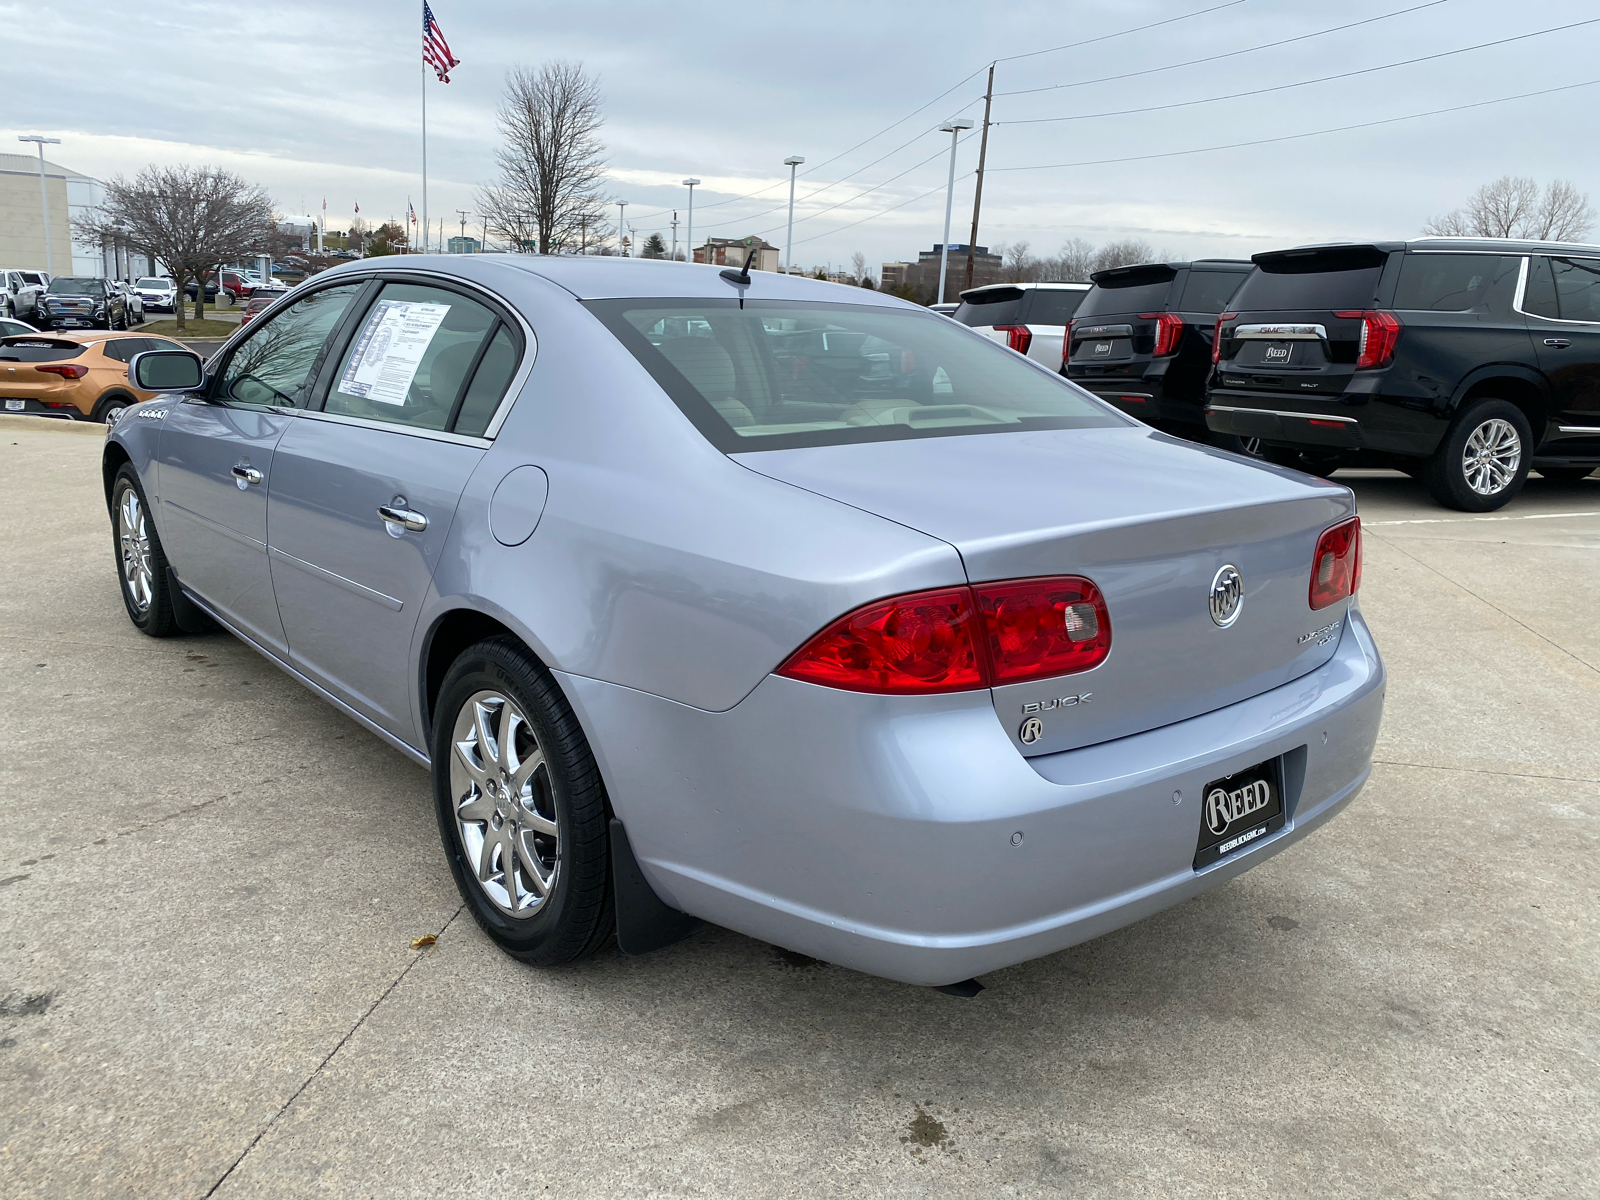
(65, 370)
(1169, 332)
(907, 645)
(1379, 333)
(1336, 566)
(1037, 628)
(1066, 342)
(1216, 336)
(1018, 337)
(960, 639)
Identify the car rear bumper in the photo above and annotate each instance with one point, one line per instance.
(907, 838)
(38, 408)
(1250, 418)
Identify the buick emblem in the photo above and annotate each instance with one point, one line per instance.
(1227, 596)
(1032, 730)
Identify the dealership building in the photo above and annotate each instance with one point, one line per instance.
(69, 196)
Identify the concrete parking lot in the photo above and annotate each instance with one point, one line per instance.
(211, 883)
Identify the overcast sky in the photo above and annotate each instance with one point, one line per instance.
(317, 100)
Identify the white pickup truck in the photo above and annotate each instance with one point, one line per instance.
(22, 290)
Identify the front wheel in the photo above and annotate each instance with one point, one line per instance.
(521, 808)
(141, 563)
(1483, 461)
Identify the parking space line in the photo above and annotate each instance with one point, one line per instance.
(1459, 520)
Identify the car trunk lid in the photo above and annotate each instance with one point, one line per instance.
(1151, 520)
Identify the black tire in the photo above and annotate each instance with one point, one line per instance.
(1447, 474)
(149, 603)
(575, 916)
(1565, 474)
(109, 407)
(1234, 444)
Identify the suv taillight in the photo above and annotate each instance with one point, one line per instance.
(961, 639)
(1379, 333)
(65, 370)
(1066, 343)
(1018, 337)
(1169, 332)
(1336, 565)
(1216, 336)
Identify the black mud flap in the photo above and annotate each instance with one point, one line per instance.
(191, 618)
(644, 922)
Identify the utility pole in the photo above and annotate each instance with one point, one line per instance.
(622, 228)
(44, 198)
(953, 128)
(688, 235)
(977, 192)
(792, 162)
(674, 257)
(464, 214)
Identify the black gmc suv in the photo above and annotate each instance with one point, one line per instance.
(1141, 339)
(1462, 361)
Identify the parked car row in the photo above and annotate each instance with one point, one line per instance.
(1465, 362)
(22, 290)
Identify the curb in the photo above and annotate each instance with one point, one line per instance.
(13, 422)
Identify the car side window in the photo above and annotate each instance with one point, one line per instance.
(123, 349)
(1577, 288)
(276, 366)
(1448, 282)
(489, 383)
(1540, 298)
(410, 361)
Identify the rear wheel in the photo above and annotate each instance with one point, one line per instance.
(521, 808)
(1565, 474)
(111, 407)
(1250, 447)
(1483, 461)
(141, 563)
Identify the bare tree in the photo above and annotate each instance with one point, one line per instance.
(1512, 207)
(1075, 261)
(551, 164)
(860, 273)
(1123, 253)
(190, 218)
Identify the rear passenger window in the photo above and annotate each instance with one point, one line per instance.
(489, 383)
(1540, 299)
(1448, 282)
(1210, 291)
(411, 359)
(1577, 288)
(123, 349)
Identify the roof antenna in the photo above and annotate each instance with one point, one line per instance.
(742, 275)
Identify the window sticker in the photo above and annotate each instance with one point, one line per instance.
(390, 349)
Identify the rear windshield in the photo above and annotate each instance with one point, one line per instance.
(1449, 282)
(1052, 306)
(992, 306)
(37, 349)
(1319, 279)
(1135, 292)
(776, 374)
(1210, 291)
(77, 287)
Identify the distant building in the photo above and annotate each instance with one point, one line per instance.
(922, 276)
(71, 197)
(892, 275)
(463, 245)
(731, 252)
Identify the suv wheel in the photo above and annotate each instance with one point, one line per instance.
(141, 563)
(521, 807)
(1483, 461)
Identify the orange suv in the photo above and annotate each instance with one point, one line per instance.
(82, 376)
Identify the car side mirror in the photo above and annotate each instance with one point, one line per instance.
(167, 371)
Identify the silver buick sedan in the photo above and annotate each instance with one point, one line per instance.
(756, 600)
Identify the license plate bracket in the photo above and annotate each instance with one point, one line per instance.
(16, 405)
(1239, 810)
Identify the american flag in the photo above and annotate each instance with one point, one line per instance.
(435, 50)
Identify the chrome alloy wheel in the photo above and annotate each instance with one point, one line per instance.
(505, 809)
(133, 537)
(1490, 459)
(1251, 446)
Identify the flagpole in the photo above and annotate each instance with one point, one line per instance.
(424, 158)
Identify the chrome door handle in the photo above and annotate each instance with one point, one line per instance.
(248, 475)
(1558, 343)
(413, 521)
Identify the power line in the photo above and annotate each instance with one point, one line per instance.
(1230, 54)
(1106, 37)
(881, 212)
(1123, 112)
(1290, 137)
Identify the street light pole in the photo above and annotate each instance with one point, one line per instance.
(953, 128)
(44, 197)
(793, 161)
(674, 236)
(688, 234)
(622, 227)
